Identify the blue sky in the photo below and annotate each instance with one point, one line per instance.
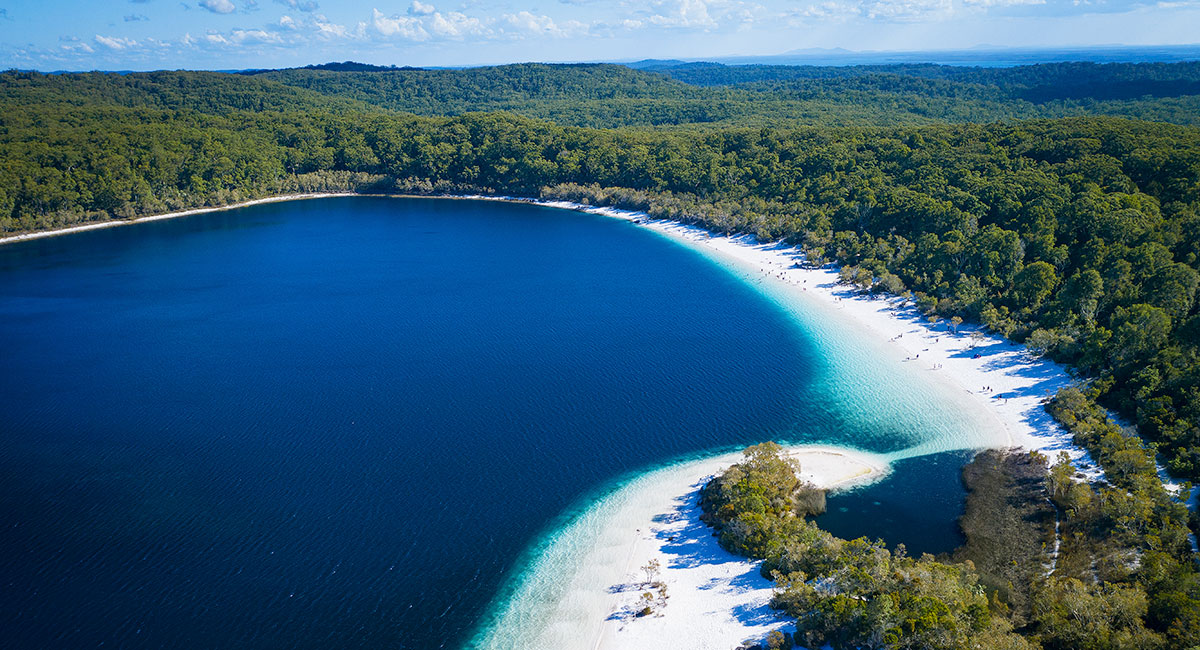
(226, 34)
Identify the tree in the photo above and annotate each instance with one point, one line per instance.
(1081, 294)
(1032, 285)
(651, 571)
(1138, 331)
(1076, 616)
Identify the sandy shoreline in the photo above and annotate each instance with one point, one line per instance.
(583, 591)
(716, 600)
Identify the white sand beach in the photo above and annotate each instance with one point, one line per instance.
(715, 599)
(584, 589)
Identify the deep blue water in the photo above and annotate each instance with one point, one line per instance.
(340, 423)
(918, 504)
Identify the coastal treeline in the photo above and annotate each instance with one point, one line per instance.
(1050, 561)
(1076, 236)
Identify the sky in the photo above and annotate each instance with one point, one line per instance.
(238, 34)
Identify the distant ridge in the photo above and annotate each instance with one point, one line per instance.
(344, 66)
(354, 66)
(987, 56)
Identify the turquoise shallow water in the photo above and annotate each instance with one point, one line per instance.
(346, 422)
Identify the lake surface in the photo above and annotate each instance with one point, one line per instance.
(345, 422)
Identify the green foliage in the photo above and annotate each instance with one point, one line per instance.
(1126, 545)
(752, 501)
(1073, 615)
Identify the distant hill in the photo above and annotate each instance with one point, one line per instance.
(1037, 83)
(344, 66)
(983, 56)
(354, 66)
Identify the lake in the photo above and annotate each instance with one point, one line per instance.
(346, 422)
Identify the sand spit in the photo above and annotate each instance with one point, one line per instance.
(586, 586)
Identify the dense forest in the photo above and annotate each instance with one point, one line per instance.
(1076, 235)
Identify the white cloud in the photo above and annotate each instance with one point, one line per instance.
(826, 10)
(326, 30)
(254, 36)
(1001, 3)
(524, 23)
(116, 42)
(682, 13)
(456, 24)
(904, 10)
(419, 8)
(75, 45)
(300, 5)
(608, 26)
(530, 23)
(218, 6)
(572, 27)
(401, 26)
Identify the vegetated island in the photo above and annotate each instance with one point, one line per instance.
(1072, 232)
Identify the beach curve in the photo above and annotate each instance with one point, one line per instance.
(582, 588)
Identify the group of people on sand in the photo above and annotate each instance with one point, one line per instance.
(782, 276)
(988, 389)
